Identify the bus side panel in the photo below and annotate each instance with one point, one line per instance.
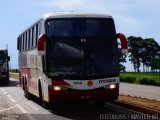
(31, 70)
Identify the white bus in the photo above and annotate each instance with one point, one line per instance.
(70, 56)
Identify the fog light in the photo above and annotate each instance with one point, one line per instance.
(57, 88)
(112, 86)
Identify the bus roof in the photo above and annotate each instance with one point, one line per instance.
(74, 15)
(1, 49)
(69, 15)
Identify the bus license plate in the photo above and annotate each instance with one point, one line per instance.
(85, 97)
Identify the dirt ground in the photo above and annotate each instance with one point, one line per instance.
(14, 75)
(132, 100)
(141, 102)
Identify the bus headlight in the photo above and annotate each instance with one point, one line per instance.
(57, 88)
(112, 86)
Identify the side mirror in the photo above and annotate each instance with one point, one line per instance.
(124, 46)
(8, 58)
(41, 41)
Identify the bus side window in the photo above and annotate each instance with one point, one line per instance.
(39, 29)
(36, 34)
(20, 43)
(19, 40)
(32, 37)
(27, 40)
(23, 42)
(29, 32)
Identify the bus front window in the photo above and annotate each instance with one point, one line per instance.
(2, 57)
(81, 48)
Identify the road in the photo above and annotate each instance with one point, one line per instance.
(15, 106)
(144, 91)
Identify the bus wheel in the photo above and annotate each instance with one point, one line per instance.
(22, 84)
(45, 104)
(7, 78)
(42, 101)
(26, 93)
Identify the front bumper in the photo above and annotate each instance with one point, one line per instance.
(4, 78)
(100, 94)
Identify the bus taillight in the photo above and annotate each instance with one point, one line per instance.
(124, 46)
(40, 46)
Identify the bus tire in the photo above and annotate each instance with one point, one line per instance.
(26, 92)
(22, 84)
(8, 80)
(42, 101)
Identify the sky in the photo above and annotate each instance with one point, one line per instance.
(139, 18)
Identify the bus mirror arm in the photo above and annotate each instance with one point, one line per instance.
(40, 46)
(123, 40)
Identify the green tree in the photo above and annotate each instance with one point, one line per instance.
(143, 51)
(135, 49)
(122, 68)
(150, 51)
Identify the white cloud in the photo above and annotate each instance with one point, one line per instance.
(132, 17)
(81, 5)
(62, 4)
(152, 4)
(126, 24)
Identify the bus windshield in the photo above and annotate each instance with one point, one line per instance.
(80, 27)
(81, 48)
(2, 57)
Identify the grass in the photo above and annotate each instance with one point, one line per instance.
(148, 78)
(13, 70)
